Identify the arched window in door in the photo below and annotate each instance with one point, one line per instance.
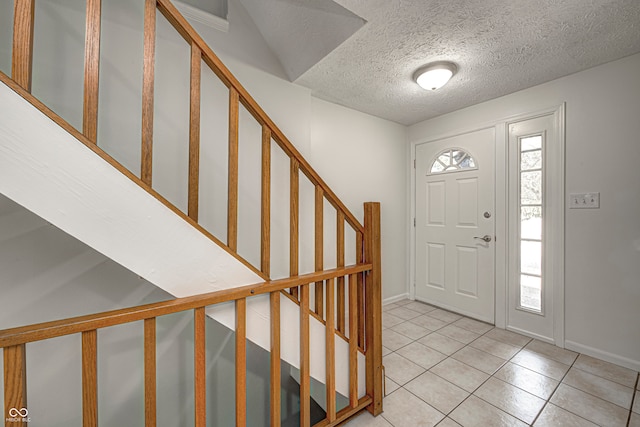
(453, 160)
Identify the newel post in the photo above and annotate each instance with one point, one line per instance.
(373, 311)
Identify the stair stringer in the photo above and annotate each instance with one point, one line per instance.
(49, 172)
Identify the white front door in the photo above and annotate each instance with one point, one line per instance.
(455, 224)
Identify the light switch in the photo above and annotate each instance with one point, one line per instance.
(584, 201)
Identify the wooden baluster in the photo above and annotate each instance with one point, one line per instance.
(330, 356)
(15, 381)
(373, 298)
(194, 133)
(150, 372)
(275, 359)
(241, 362)
(294, 193)
(305, 379)
(91, 71)
(90, 378)
(265, 245)
(148, 78)
(232, 219)
(353, 340)
(319, 249)
(23, 13)
(200, 366)
(361, 308)
(339, 264)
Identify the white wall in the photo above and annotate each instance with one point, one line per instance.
(363, 158)
(602, 259)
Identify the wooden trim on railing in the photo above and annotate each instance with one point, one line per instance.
(90, 378)
(345, 413)
(22, 53)
(15, 379)
(361, 308)
(57, 328)
(150, 372)
(200, 366)
(275, 360)
(319, 248)
(294, 212)
(330, 353)
(241, 362)
(148, 81)
(305, 364)
(190, 35)
(232, 206)
(353, 340)
(91, 71)
(265, 216)
(194, 133)
(373, 313)
(339, 264)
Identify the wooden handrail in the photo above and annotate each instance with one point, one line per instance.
(200, 52)
(191, 36)
(57, 328)
(364, 278)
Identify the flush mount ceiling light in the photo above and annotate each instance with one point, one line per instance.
(435, 75)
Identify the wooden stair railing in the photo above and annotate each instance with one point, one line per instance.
(21, 74)
(368, 335)
(14, 343)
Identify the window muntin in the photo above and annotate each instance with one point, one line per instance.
(452, 160)
(530, 220)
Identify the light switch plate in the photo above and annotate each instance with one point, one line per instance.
(584, 201)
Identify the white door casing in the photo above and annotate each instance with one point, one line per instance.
(454, 268)
(548, 324)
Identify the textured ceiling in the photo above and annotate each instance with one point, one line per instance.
(499, 47)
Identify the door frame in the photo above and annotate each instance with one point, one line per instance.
(501, 126)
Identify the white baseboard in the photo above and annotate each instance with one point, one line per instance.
(395, 299)
(603, 355)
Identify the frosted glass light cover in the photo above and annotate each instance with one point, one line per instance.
(434, 79)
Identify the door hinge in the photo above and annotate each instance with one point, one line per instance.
(414, 163)
(414, 222)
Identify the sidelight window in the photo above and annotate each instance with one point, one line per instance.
(531, 213)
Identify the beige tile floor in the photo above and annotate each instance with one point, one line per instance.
(447, 370)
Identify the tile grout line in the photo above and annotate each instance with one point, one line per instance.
(547, 401)
(446, 415)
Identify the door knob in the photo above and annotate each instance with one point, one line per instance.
(486, 238)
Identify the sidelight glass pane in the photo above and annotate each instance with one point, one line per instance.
(531, 143)
(531, 160)
(531, 188)
(531, 257)
(531, 222)
(531, 292)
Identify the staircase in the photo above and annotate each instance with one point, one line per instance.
(60, 173)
